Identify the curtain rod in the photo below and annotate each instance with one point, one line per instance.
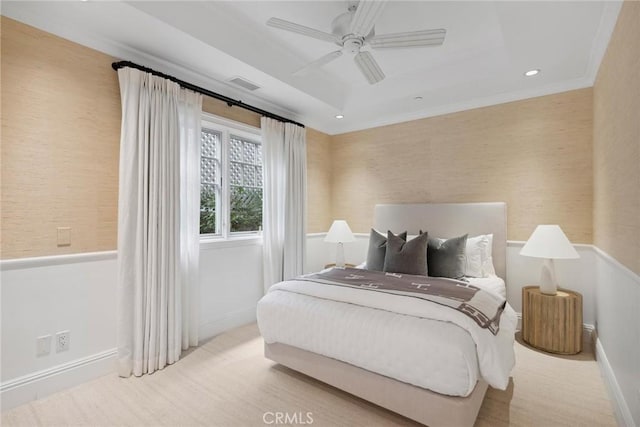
(230, 101)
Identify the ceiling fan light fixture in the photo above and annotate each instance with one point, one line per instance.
(532, 73)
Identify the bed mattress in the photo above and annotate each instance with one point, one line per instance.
(433, 354)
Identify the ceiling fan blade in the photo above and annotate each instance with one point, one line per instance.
(318, 63)
(410, 39)
(369, 67)
(366, 15)
(301, 29)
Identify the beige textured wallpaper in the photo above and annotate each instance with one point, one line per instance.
(220, 108)
(318, 181)
(60, 146)
(617, 143)
(60, 138)
(535, 154)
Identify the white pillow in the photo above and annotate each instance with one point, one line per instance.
(479, 258)
(488, 269)
(487, 261)
(476, 254)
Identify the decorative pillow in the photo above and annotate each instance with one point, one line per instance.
(487, 260)
(476, 254)
(406, 257)
(445, 258)
(378, 249)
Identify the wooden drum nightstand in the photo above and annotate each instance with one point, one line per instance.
(552, 323)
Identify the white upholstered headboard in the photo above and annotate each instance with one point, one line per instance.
(450, 220)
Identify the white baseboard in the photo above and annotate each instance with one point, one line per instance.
(225, 323)
(620, 407)
(57, 378)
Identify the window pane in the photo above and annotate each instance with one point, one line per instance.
(246, 209)
(235, 151)
(210, 181)
(210, 143)
(249, 178)
(249, 152)
(208, 209)
(246, 184)
(208, 171)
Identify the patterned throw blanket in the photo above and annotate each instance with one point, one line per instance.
(483, 307)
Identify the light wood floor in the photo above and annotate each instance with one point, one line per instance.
(227, 382)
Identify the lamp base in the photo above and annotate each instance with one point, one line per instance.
(340, 256)
(548, 283)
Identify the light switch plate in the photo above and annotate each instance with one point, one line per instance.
(64, 236)
(43, 345)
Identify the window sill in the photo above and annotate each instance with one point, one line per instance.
(207, 243)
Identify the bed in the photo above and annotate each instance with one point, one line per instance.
(424, 365)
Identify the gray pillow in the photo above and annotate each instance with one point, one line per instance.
(446, 258)
(378, 249)
(406, 257)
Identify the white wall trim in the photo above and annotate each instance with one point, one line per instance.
(617, 264)
(620, 407)
(607, 25)
(220, 243)
(42, 383)
(47, 261)
(316, 235)
(581, 82)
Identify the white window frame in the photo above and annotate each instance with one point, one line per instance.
(227, 128)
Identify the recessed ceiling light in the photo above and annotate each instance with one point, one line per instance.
(532, 73)
(417, 98)
(339, 116)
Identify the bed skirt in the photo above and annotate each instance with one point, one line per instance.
(418, 404)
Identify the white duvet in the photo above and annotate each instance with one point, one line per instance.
(411, 340)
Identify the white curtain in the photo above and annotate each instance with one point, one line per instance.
(157, 239)
(284, 201)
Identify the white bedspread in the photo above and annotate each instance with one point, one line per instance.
(411, 340)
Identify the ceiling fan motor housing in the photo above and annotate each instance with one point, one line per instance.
(352, 44)
(341, 28)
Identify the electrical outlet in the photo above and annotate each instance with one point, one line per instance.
(63, 339)
(43, 345)
(64, 236)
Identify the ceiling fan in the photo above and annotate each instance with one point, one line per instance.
(353, 30)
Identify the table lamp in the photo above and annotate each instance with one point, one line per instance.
(549, 242)
(339, 233)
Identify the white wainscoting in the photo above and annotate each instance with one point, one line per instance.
(230, 286)
(46, 295)
(618, 327)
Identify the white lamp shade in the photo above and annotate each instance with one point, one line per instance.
(339, 232)
(548, 241)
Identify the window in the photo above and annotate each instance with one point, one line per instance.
(231, 179)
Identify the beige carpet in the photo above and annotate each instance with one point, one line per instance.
(227, 382)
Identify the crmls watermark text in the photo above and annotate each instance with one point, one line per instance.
(290, 418)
